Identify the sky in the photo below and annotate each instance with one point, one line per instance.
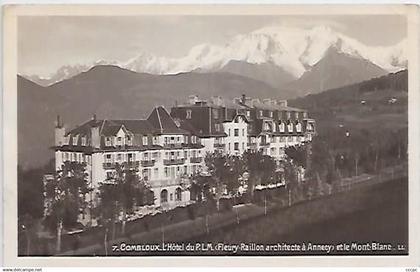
(45, 43)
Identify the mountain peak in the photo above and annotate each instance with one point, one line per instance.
(294, 50)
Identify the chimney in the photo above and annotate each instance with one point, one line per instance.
(192, 99)
(217, 100)
(255, 101)
(282, 103)
(60, 132)
(267, 101)
(94, 117)
(95, 137)
(58, 122)
(243, 100)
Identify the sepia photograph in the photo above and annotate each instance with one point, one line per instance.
(197, 134)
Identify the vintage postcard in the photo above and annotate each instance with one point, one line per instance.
(182, 135)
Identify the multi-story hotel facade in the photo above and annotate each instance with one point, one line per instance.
(167, 149)
(244, 124)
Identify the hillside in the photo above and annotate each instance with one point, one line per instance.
(111, 92)
(365, 105)
(334, 70)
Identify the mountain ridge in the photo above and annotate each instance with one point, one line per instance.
(290, 49)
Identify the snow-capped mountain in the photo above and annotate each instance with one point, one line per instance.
(292, 50)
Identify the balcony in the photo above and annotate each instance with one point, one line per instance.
(109, 165)
(196, 159)
(147, 163)
(172, 145)
(131, 164)
(219, 145)
(174, 161)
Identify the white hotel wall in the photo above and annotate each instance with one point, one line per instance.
(231, 139)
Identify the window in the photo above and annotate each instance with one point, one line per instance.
(155, 140)
(185, 169)
(217, 127)
(164, 196)
(188, 114)
(166, 172)
(243, 145)
(236, 132)
(119, 157)
(108, 141)
(144, 140)
(119, 140)
(261, 113)
(281, 127)
(108, 157)
(271, 114)
(156, 173)
(229, 132)
(243, 132)
(298, 127)
(229, 146)
(288, 114)
(290, 127)
(236, 146)
(84, 141)
(109, 175)
(305, 114)
(248, 113)
(178, 194)
(171, 196)
(296, 115)
(194, 139)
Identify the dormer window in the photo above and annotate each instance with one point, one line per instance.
(261, 113)
(194, 139)
(248, 113)
(217, 127)
(271, 114)
(281, 127)
(290, 127)
(75, 140)
(296, 115)
(84, 141)
(288, 114)
(128, 139)
(305, 114)
(144, 140)
(188, 114)
(119, 140)
(108, 141)
(298, 127)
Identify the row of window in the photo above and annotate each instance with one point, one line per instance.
(145, 140)
(236, 132)
(75, 157)
(236, 146)
(164, 195)
(151, 155)
(280, 139)
(215, 114)
(170, 171)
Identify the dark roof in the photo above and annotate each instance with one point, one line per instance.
(84, 129)
(136, 126)
(163, 122)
